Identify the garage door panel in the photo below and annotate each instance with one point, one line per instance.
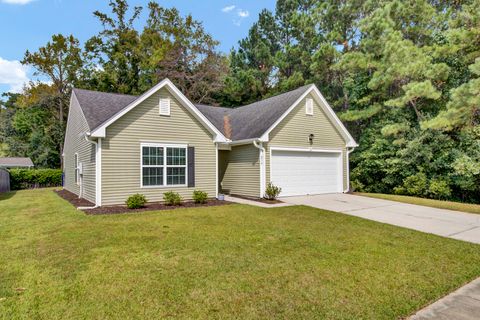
(300, 172)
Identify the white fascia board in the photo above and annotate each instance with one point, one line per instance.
(329, 111)
(101, 132)
(241, 142)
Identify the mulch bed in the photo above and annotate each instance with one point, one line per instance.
(152, 206)
(73, 198)
(263, 200)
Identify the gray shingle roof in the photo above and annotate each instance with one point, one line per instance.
(252, 120)
(98, 107)
(16, 162)
(247, 122)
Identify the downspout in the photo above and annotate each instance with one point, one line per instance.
(81, 184)
(349, 150)
(259, 145)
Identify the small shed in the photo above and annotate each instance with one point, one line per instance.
(15, 162)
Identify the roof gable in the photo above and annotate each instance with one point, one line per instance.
(121, 105)
(316, 94)
(98, 107)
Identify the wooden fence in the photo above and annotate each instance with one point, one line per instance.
(4, 180)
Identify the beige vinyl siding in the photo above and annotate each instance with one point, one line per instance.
(293, 131)
(223, 156)
(242, 172)
(75, 143)
(121, 171)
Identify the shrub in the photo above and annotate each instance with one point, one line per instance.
(136, 201)
(172, 198)
(34, 178)
(200, 196)
(439, 189)
(272, 191)
(356, 185)
(415, 185)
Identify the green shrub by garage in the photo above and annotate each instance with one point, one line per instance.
(34, 178)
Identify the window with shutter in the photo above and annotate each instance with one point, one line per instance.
(163, 165)
(164, 107)
(309, 106)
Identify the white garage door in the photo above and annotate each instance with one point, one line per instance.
(306, 172)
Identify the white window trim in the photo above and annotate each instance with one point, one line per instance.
(307, 102)
(77, 168)
(165, 166)
(164, 100)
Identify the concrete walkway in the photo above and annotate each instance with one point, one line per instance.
(445, 223)
(461, 304)
(257, 203)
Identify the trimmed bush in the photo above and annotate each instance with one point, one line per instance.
(272, 191)
(439, 189)
(200, 196)
(136, 201)
(34, 178)
(172, 198)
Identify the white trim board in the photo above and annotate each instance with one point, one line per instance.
(100, 131)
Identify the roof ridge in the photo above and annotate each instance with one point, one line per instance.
(276, 96)
(103, 92)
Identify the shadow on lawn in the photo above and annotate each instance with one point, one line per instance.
(7, 195)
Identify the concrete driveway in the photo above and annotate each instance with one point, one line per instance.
(446, 223)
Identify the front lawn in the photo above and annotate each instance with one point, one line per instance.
(217, 262)
(450, 205)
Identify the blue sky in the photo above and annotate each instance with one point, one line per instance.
(29, 24)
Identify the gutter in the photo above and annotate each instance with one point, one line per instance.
(81, 184)
(259, 145)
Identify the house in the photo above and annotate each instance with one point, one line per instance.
(118, 145)
(10, 163)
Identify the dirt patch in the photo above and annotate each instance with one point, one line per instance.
(73, 198)
(262, 200)
(153, 206)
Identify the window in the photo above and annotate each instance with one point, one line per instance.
(77, 168)
(309, 106)
(164, 108)
(164, 165)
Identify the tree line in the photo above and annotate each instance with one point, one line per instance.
(404, 76)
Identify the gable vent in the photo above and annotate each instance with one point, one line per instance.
(309, 106)
(164, 107)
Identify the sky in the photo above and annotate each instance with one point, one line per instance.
(29, 24)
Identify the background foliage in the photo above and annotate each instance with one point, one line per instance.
(403, 75)
(34, 178)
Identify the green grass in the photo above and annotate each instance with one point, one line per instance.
(217, 262)
(450, 205)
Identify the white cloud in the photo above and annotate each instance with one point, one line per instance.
(243, 13)
(20, 2)
(228, 8)
(13, 74)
